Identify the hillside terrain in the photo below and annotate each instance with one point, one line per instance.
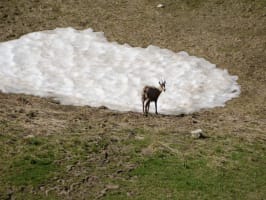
(53, 151)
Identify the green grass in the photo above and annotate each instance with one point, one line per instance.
(31, 170)
(170, 177)
(33, 164)
(177, 167)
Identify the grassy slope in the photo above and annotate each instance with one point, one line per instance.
(51, 151)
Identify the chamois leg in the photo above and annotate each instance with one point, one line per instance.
(147, 106)
(156, 107)
(143, 106)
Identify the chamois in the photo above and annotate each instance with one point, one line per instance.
(150, 94)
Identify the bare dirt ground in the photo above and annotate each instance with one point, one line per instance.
(231, 34)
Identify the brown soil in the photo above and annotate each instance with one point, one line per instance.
(231, 34)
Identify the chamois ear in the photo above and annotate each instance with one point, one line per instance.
(162, 81)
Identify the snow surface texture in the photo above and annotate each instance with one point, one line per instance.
(83, 68)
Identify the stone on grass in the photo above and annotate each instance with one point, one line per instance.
(197, 134)
(160, 5)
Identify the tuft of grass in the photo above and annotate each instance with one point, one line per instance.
(34, 141)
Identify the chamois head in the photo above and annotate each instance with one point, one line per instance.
(162, 85)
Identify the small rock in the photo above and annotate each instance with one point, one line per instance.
(112, 187)
(197, 134)
(29, 136)
(160, 5)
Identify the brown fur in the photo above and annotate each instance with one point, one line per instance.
(151, 94)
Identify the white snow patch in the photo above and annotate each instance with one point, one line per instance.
(83, 68)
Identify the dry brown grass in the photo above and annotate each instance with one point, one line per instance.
(228, 33)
